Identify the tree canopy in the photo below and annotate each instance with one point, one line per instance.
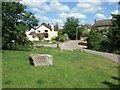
(72, 28)
(106, 40)
(15, 22)
(114, 34)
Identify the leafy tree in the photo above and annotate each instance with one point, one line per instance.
(71, 27)
(114, 32)
(15, 22)
(93, 41)
(56, 25)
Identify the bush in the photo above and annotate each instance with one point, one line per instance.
(61, 38)
(93, 41)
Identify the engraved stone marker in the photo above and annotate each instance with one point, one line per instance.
(41, 59)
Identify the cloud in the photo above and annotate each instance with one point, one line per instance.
(58, 7)
(76, 15)
(88, 6)
(112, 0)
(36, 10)
(99, 16)
(115, 12)
(54, 6)
(32, 3)
(41, 18)
(59, 21)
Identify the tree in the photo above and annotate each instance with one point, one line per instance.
(93, 41)
(71, 27)
(15, 22)
(114, 32)
(56, 26)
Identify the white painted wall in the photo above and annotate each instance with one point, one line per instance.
(30, 37)
(41, 29)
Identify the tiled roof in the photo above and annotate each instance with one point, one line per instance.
(106, 22)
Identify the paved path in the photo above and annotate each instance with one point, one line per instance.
(113, 57)
(72, 45)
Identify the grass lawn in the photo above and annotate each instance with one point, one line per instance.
(71, 69)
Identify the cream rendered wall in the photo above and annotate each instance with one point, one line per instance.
(42, 29)
(30, 36)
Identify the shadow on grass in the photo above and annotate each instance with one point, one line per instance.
(8, 82)
(111, 85)
(41, 81)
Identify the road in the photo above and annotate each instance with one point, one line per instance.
(72, 45)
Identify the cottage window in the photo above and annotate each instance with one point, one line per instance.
(33, 36)
(46, 30)
(46, 35)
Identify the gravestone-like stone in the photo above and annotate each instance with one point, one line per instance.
(41, 59)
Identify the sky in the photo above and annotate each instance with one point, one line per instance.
(56, 11)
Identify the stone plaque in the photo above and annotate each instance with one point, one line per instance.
(41, 59)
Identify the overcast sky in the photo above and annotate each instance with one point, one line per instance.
(57, 11)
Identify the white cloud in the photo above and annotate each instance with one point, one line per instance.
(54, 6)
(41, 18)
(88, 6)
(99, 16)
(59, 21)
(63, 15)
(37, 11)
(32, 3)
(111, 0)
(115, 12)
(58, 7)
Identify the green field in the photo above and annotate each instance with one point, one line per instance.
(71, 69)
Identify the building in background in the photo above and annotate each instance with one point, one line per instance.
(102, 24)
(47, 31)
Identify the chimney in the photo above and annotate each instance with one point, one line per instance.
(52, 27)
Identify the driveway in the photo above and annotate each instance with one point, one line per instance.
(72, 45)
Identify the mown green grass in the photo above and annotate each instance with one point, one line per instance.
(71, 69)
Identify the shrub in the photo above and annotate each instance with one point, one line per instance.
(93, 41)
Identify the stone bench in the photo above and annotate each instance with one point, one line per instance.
(40, 59)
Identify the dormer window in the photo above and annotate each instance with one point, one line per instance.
(39, 31)
(46, 30)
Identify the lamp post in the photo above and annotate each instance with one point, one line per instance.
(77, 34)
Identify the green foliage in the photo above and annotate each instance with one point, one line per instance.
(56, 25)
(22, 47)
(106, 40)
(15, 22)
(61, 36)
(71, 28)
(93, 41)
(85, 33)
(114, 34)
